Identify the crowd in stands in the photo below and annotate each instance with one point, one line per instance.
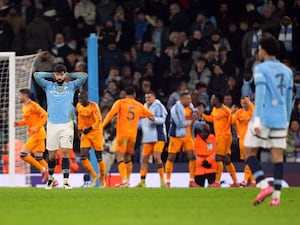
(206, 46)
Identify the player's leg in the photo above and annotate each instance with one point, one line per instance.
(120, 150)
(128, 156)
(97, 143)
(52, 144)
(252, 143)
(51, 165)
(231, 169)
(219, 170)
(101, 167)
(31, 145)
(174, 147)
(277, 159)
(227, 141)
(192, 167)
(247, 171)
(188, 146)
(146, 152)
(158, 149)
(84, 158)
(66, 139)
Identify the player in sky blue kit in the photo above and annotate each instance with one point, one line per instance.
(60, 127)
(269, 124)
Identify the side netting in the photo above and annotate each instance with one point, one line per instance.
(15, 74)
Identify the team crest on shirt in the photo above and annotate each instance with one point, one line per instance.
(59, 90)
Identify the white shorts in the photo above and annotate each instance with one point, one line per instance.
(269, 137)
(59, 135)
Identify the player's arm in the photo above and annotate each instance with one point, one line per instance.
(260, 92)
(79, 78)
(208, 118)
(97, 116)
(113, 111)
(289, 101)
(20, 123)
(43, 117)
(179, 118)
(160, 115)
(40, 78)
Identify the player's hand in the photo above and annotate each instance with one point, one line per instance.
(257, 131)
(79, 133)
(15, 124)
(206, 164)
(87, 130)
(33, 129)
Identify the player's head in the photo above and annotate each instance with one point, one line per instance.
(149, 97)
(24, 95)
(268, 46)
(217, 99)
(185, 98)
(83, 97)
(130, 92)
(60, 73)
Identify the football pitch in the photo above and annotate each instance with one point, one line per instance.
(143, 206)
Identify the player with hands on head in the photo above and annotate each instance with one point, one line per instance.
(60, 125)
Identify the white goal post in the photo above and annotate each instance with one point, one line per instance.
(15, 74)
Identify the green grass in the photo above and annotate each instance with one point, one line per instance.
(133, 206)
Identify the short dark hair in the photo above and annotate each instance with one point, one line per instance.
(58, 68)
(130, 91)
(219, 96)
(150, 93)
(270, 45)
(25, 91)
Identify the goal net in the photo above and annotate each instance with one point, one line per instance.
(15, 74)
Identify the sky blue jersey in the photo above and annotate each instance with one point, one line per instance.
(273, 93)
(60, 98)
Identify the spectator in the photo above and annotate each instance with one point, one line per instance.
(145, 56)
(104, 10)
(7, 34)
(250, 41)
(175, 96)
(28, 11)
(86, 9)
(17, 23)
(60, 49)
(39, 34)
(203, 24)
(197, 44)
(113, 89)
(111, 55)
(293, 139)
(178, 18)
(218, 80)
(199, 73)
(45, 61)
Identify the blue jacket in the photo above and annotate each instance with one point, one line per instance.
(154, 131)
(178, 121)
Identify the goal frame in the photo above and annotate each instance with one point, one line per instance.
(11, 56)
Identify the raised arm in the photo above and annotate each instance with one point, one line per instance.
(79, 78)
(40, 78)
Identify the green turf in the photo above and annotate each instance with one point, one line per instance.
(143, 206)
